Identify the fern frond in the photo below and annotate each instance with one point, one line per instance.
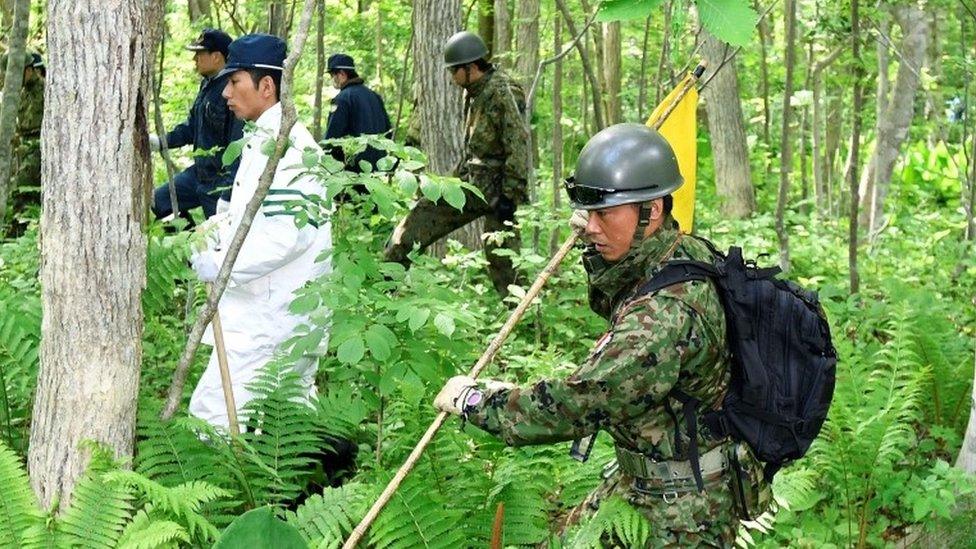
(20, 520)
(146, 533)
(416, 517)
(181, 502)
(99, 510)
(617, 520)
(326, 519)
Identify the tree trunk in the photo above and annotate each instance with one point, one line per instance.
(934, 104)
(967, 454)
(832, 133)
(319, 71)
(893, 125)
(857, 69)
(278, 18)
(786, 142)
(642, 81)
(557, 129)
(817, 130)
(486, 22)
(199, 9)
(764, 75)
(13, 82)
(6, 16)
(94, 146)
(439, 101)
(527, 38)
(379, 47)
(503, 32)
(726, 127)
(611, 70)
(663, 67)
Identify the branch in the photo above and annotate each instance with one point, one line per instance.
(160, 127)
(288, 119)
(587, 68)
(530, 98)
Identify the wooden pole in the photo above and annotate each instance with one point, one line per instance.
(225, 381)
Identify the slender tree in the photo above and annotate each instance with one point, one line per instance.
(612, 75)
(503, 31)
(94, 145)
(557, 129)
(786, 141)
(319, 70)
(13, 81)
(857, 69)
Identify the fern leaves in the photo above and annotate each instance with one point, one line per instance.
(20, 521)
(326, 519)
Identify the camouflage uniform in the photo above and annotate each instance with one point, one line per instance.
(26, 172)
(495, 161)
(675, 337)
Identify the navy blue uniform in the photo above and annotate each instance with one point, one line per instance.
(210, 124)
(358, 110)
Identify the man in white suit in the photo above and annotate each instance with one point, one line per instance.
(278, 256)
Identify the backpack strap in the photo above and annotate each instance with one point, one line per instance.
(689, 409)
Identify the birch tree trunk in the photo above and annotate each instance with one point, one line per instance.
(94, 145)
(13, 82)
(892, 126)
(967, 454)
(611, 70)
(733, 180)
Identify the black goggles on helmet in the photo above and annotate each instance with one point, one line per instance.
(585, 195)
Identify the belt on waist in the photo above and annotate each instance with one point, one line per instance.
(671, 475)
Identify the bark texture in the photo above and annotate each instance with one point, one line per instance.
(527, 38)
(733, 179)
(503, 32)
(611, 70)
(13, 81)
(93, 258)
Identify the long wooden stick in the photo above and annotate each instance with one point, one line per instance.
(489, 353)
(225, 381)
(486, 357)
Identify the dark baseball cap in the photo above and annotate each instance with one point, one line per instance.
(211, 40)
(339, 61)
(256, 51)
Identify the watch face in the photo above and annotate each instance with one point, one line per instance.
(474, 398)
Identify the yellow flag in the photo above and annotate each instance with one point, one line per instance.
(681, 130)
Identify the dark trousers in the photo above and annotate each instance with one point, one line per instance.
(190, 193)
(429, 221)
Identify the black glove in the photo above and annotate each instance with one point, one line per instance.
(505, 208)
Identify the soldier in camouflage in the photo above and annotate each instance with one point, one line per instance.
(673, 338)
(25, 174)
(495, 160)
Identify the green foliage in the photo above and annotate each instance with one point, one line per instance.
(325, 520)
(20, 521)
(259, 529)
(617, 518)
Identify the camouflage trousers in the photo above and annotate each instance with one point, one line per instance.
(429, 221)
(688, 520)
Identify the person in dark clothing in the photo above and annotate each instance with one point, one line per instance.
(210, 127)
(357, 110)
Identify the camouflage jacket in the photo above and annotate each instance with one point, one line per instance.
(675, 337)
(496, 137)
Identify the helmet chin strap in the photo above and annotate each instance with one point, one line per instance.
(643, 220)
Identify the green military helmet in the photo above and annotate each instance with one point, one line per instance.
(464, 47)
(623, 164)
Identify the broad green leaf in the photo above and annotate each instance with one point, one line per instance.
(351, 351)
(378, 341)
(310, 158)
(454, 196)
(622, 10)
(730, 21)
(444, 324)
(232, 152)
(418, 317)
(260, 529)
(430, 189)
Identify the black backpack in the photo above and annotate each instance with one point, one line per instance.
(783, 361)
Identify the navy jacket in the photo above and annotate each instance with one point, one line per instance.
(210, 124)
(358, 110)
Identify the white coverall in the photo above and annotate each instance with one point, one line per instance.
(277, 258)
